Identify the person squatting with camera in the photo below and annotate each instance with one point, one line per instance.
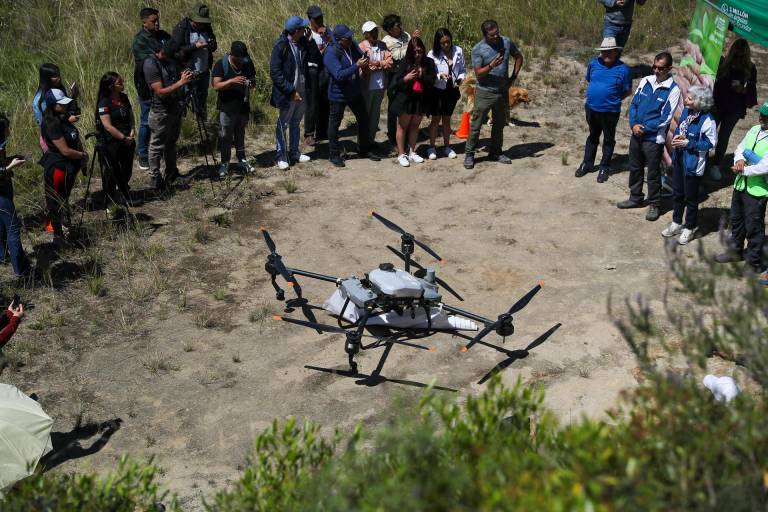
(10, 227)
(166, 82)
(233, 79)
(63, 160)
(116, 140)
(197, 42)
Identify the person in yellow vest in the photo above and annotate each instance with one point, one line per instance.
(750, 195)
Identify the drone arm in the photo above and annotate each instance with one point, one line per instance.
(467, 314)
(313, 275)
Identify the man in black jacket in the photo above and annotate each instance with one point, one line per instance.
(145, 44)
(197, 43)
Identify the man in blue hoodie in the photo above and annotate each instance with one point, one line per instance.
(343, 61)
(650, 113)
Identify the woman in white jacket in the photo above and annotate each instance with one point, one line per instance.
(449, 60)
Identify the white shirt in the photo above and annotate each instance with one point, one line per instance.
(441, 63)
(199, 55)
(758, 169)
(375, 78)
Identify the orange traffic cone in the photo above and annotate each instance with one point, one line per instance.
(463, 131)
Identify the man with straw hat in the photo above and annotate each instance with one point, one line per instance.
(609, 81)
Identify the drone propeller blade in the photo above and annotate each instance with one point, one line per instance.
(268, 239)
(391, 225)
(525, 299)
(482, 334)
(402, 257)
(311, 325)
(397, 229)
(449, 289)
(541, 339)
(427, 248)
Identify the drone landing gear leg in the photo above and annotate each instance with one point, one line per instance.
(352, 347)
(272, 271)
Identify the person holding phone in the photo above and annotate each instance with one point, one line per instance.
(375, 75)
(10, 321)
(318, 39)
(10, 226)
(449, 64)
(397, 40)
(490, 59)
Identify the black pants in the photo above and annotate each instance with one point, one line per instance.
(726, 123)
(357, 106)
(600, 123)
(685, 195)
(317, 105)
(116, 168)
(645, 154)
(748, 223)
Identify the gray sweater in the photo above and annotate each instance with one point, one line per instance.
(620, 15)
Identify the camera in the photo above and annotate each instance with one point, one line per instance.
(73, 109)
(195, 73)
(248, 83)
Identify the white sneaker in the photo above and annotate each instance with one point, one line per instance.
(431, 153)
(223, 170)
(671, 230)
(302, 159)
(687, 235)
(715, 174)
(450, 153)
(415, 158)
(246, 165)
(403, 160)
(282, 165)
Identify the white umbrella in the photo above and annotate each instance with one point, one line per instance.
(25, 435)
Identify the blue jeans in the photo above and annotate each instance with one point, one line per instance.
(620, 32)
(10, 233)
(289, 119)
(144, 131)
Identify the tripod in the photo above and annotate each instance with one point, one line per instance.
(193, 105)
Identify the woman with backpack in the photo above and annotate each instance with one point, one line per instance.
(411, 88)
(117, 141)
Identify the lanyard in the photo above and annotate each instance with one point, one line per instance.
(759, 140)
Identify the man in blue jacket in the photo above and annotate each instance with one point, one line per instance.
(289, 70)
(650, 113)
(343, 61)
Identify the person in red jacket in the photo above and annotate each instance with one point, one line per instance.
(10, 322)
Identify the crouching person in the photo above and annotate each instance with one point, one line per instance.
(750, 195)
(233, 79)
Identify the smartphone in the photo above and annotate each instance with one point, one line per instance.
(16, 300)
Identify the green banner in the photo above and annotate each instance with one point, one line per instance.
(706, 37)
(748, 17)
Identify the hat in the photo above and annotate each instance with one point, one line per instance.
(764, 109)
(295, 23)
(239, 51)
(369, 26)
(314, 11)
(609, 43)
(342, 31)
(54, 96)
(200, 14)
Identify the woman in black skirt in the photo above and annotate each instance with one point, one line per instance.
(411, 89)
(116, 127)
(449, 63)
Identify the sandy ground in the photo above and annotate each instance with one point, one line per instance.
(501, 230)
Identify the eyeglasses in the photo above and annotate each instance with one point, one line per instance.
(660, 68)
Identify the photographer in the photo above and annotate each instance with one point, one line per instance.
(10, 321)
(233, 79)
(117, 141)
(197, 43)
(145, 44)
(64, 158)
(10, 227)
(165, 81)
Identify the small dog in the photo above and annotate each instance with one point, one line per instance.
(516, 96)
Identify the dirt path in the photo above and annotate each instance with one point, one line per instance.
(207, 369)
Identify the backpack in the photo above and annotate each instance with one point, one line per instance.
(142, 87)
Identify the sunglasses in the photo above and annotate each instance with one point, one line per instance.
(660, 68)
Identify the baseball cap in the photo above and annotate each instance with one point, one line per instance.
(764, 109)
(200, 14)
(239, 51)
(342, 31)
(54, 96)
(295, 23)
(314, 11)
(368, 26)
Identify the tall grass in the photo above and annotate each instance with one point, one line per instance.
(89, 37)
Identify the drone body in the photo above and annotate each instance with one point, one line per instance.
(409, 305)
